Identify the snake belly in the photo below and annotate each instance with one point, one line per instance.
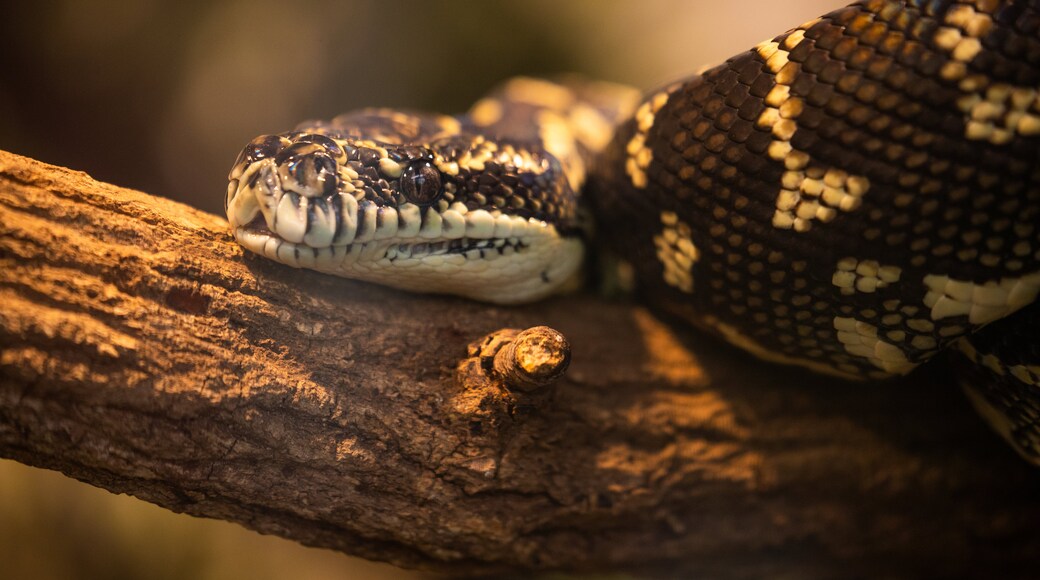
(852, 196)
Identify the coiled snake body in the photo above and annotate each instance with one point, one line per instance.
(852, 196)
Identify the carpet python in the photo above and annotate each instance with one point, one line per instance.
(853, 196)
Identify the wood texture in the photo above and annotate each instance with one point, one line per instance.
(143, 352)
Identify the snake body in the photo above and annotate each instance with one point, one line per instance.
(852, 196)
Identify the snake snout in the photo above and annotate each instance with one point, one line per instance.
(283, 185)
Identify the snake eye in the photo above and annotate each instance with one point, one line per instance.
(421, 183)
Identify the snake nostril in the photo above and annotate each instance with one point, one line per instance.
(308, 169)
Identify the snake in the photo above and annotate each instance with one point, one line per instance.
(853, 197)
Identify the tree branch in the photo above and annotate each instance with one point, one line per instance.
(143, 352)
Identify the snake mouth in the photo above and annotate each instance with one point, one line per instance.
(260, 236)
(469, 249)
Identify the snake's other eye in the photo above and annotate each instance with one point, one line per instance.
(421, 183)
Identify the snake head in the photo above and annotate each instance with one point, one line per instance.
(458, 214)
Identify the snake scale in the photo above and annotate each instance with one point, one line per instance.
(853, 196)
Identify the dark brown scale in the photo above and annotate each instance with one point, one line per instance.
(748, 72)
(369, 157)
(503, 190)
(910, 54)
(819, 95)
(736, 96)
(487, 180)
(370, 173)
(259, 148)
(799, 54)
(324, 141)
(472, 183)
(760, 88)
(815, 61)
(802, 85)
(413, 153)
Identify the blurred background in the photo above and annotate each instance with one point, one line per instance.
(160, 96)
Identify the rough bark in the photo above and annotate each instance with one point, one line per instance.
(142, 351)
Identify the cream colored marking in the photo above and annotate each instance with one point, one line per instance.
(450, 125)
(981, 303)
(411, 218)
(487, 111)
(924, 343)
(480, 224)
(540, 93)
(852, 275)
(592, 129)
(734, 337)
(639, 155)
(807, 192)
(367, 212)
(1028, 374)
(861, 339)
(390, 168)
(558, 138)
(243, 205)
(322, 227)
(348, 219)
(993, 112)
(347, 173)
(676, 252)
